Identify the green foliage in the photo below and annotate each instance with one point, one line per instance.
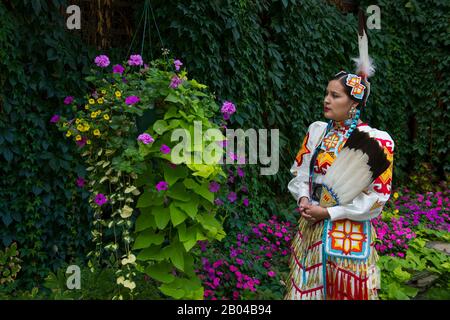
(41, 208)
(398, 275)
(9, 264)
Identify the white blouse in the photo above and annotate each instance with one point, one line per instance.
(370, 202)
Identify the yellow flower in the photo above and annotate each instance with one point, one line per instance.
(88, 142)
(86, 127)
(91, 101)
(86, 107)
(78, 138)
(80, 127)
(106, 117)
(100, 100)
(93, 115)
(396, 211)
(96, 132)
(395, 195)
(118, 94)
(69, 133)
(77, 121)
(103, 91)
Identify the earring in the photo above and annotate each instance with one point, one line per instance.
(352, 112)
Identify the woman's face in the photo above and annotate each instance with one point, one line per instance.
(337, 104)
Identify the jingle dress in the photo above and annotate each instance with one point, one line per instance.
(340, 261)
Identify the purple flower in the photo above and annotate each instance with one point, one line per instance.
(102, 61)
(162, 185)
(245, 202)
(100, 199)
(68, 100)
(240, 172)
(118, 69)
(80, 182)
(145, 138)
(239, 261)
(177, 64)
(135, 60)
(271, 274)
(55, 118)
(232, 197)
(175, 82)
(233, 268)
(164, 149)
(228, 108)
(214, 186)
(132, 100)
(218, 202)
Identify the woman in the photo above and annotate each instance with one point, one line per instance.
(315, 274)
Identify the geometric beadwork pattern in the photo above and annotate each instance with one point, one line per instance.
(347, 238)
(382, 184)
(303, 151)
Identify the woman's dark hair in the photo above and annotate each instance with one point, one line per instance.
(342, 77)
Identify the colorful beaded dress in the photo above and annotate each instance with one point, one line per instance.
(335, 258)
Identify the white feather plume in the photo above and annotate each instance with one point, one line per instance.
(364, 64)
(348, 175)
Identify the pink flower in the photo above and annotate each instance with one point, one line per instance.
(81, 142)
(245, 202)
(175, 82)
(145, 138)
(233, 268)
(177, 64)
(135, 60)
(118, 69)
(102, 61)
(218, 202)
(55, 118)
(68, 100)
(100, 199)
(217, 264)
(164, 149)
(216, 281)
(271, 274)
(132, 100)
(228, 108)
(162, 185)
(239, 261)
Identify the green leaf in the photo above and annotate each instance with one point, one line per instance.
(175, 252)
(173, 98)
(178, 192)
(190, 207)
(401, 275)
(176, 215)
(170, 291)
(171, 175)
(161, 272)
(162, 216)
(171, 113)
(152, 253)
(148, 237)
(160, 126)
(145, 220)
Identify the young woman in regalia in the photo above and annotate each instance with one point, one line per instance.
(332, 254)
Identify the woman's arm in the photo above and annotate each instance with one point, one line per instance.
(299, 185)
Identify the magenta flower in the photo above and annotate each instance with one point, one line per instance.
(80, 182)
(240, 172)
(232, 197)
(118, 69)
(162, 185)
(218, 202)
(245, 202)
(68, 100)
(175, 82)
(177, 64)
(233, 268)
(102, 61)
(135, 60)
(145, 138)
(164, 149)
(100, 199)
(132, 100)
(214, 186)
(271, 274)
(239, 261)
(82, 142)
(55, 118)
